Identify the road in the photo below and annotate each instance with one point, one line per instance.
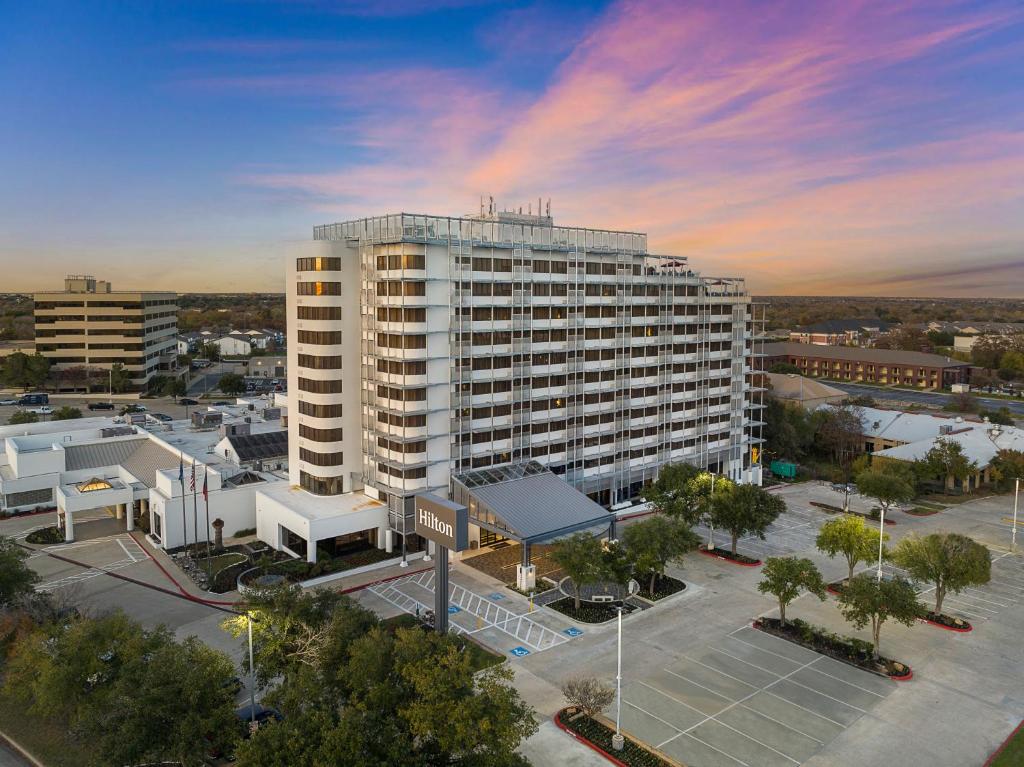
(206, 380)
(9, 758)
(937, 399)
(164, 405)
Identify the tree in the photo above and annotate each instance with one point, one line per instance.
(1002, 416)
(655, 542)
(886, 487)
(587, 694)
(850, 536)
(670, 493)
(784, 367)
(784, 577)
(1007, 467)
(232, 384)
(962, 402)
(746, 510)
(580, 556)
(987, 351)
(950, 561)
(175, 387)
(119, 378)
(23, 416)
(837, 432)
(66, 413)
(15, 370)
(787, 431)
(865, 600)
(210, 351)
(16, 578)
(947, 461)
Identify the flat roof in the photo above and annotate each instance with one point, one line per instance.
(315, 507)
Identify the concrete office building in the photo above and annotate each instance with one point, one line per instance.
(89, 327)
(422, 349)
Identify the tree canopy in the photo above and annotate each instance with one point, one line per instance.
(950, 561)
(23, 416)
(231, 384)
(25, 371)
(850, 536)
(119, 379)
(580, 556)
(865, 600)
(946, 460)
(885, 486)
(671, 493)
(17, 579)
(785, 577)
(66, 413)
(745, 510)
(656, 541)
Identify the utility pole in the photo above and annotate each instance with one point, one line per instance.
(617, 740)
(252, 675)
(1013, 535)
(881, 535)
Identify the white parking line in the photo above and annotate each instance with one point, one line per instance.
(130, 555)
(782, 724)
(850, 684)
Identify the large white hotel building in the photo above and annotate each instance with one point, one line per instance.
(426, 348)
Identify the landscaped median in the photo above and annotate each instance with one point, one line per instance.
(598, 736)
(872, 515)
(736, 559)
(855, 652)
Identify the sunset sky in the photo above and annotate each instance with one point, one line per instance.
(813, 147)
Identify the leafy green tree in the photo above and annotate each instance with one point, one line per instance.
(66, 413)
(745, 510)
(119, 378)
(23, 416)
(16, 577)
(865, 600)
(946, 460)
(15, 370)
(670, 493)
(886, 487)
(38, 370)
(784, 577)
(837, 433)
(787, 431)
(949, 560)
(581, 557)
(175, 387)
(210, 351)
(1007, 467)
(850, 536)
(656, 541)
(1002, 416)
(232, 384)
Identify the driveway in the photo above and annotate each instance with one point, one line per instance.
(933, 398)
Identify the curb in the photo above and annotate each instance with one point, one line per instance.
(177, 585)
(1002, 746)
(20, 750)
(948, 628)
(707, 553)
(589, 744)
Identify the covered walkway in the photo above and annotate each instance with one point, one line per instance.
(527, 503)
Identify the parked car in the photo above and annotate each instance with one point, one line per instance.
(41, 410)
(262, 715)
(187, 401)
(221, 402)
(101, 406)
(135, 408)
(8, 402)
(38, 398)
(161, 417)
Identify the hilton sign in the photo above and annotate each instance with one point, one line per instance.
(447, 525)
(443, 522)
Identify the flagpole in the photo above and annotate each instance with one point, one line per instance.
(184, 522)
(195, 508)
(206, 505)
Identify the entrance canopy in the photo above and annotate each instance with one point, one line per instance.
(526, 502)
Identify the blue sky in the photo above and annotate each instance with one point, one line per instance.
(829, 147)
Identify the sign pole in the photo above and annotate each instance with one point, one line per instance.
(441, 590)
(1013, 535)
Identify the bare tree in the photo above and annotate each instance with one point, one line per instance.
(587, 694)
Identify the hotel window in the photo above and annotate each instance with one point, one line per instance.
(318, 288)
(330, 386)
(320, 411)
(319, 312)
(320, 337)
(321, 485)
(318, 264)
(321, 459)
(319, 363)
(319, 435)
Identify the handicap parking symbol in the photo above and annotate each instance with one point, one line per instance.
(453, 609)
(519, 652)
(495, 596)
(573, 632)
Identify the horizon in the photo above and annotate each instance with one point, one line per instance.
(875, 148)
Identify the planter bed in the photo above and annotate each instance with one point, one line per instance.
(921, 511)
(664, 586)
(855, 652)
(873, 516)
(45, 536)
(948, 622)
(728, 556)
(599, 737)
(589, 612)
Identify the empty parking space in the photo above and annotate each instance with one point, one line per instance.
(794, 531)
(750, 699)
(496, 619)
(97, 556)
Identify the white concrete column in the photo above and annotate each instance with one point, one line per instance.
(119, 511)
(380, 538)
(389, 540)
(311, 551)
(129, 513)
(69, 527)
(431, 550)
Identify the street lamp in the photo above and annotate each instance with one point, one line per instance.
(881, 534)
(617, 740)
(1013, 535)
(252, 674)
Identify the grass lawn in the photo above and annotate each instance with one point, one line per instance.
(1012, 754)
(46, 741)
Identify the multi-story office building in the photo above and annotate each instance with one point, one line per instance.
(88, 327)
(423, 348)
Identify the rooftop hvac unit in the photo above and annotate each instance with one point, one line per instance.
(945, 429)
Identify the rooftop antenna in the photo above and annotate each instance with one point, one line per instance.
(490, 209)
(538, 206)
(548, 214)
(529, 208)
(481, 205)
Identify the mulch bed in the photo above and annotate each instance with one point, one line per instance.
(599, 737)
(948, 622)
(728, 556)
(873, 516)
(664, 586)
(589, 612)
(855, 652)
(45, 535)
(921, 511)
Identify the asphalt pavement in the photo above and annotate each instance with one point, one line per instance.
(9, 758)
(934, 398)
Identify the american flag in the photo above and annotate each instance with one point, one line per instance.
(192, 479)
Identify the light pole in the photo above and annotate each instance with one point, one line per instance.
(711, 523)
(252, 675)
(617, 740)
(1013, 535)
(881, 528)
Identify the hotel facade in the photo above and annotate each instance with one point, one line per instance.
(422, 349)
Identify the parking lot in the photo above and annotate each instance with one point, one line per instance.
(750, 699)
